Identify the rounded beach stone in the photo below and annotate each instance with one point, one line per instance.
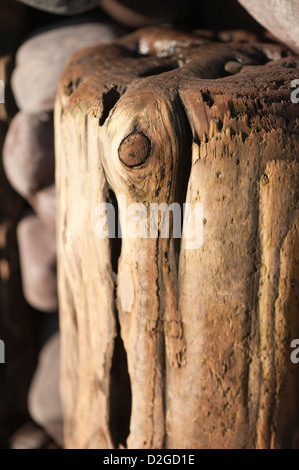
(41, 60)
(44, 204)
(29, 436)
(280, 17)
(62, 7)
(37, 249)
(44, 398)
(28, 153)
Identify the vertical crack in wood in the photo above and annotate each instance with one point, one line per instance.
(120, 386)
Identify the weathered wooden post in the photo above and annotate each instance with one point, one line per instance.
(190, 344)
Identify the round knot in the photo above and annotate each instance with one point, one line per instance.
(134, 149)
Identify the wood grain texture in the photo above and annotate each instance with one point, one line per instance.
(155, 118)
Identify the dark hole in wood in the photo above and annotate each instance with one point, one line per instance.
(120, 394)
(184, 171)
(109, 101)
(120, 385)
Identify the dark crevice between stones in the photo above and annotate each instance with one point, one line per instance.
(120, 385)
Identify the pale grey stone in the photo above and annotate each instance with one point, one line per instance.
(41, 60)
(63, 7)
(28, 153)
(44, 398)
(29, 436)
(37, 247)
(280, 17)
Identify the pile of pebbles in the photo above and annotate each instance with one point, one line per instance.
(29, 164)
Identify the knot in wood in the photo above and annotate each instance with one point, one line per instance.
(134, 149)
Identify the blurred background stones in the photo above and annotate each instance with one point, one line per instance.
(37, 249)
(214, 14)
(280, 17)
(28, 154)
(42, 58)
(29, 436)
(18, 321)
(44, 399)
(44, 204)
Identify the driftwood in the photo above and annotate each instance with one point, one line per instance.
(163, 345)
